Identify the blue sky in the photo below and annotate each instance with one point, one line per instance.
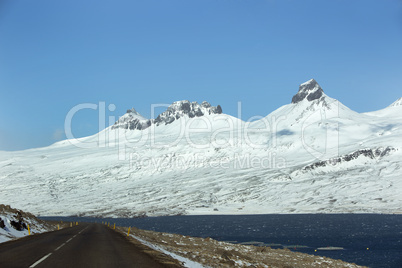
(57, 54)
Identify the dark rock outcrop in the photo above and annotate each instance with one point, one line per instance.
(368, 153)
(310, 90)
(179, 109)
(18, 225)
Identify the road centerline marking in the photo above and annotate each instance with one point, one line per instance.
(83, 230)
(46, 256)
(41, 260)
(59, 247)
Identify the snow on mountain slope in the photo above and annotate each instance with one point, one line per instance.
(393, 111)
(313, 155)
(398, 102)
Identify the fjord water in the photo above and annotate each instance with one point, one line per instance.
(373, 240)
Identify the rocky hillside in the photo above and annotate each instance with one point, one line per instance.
(14, 224)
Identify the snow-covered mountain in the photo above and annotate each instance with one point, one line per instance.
(314, 155)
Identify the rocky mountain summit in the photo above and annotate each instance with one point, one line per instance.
(179, 109)
(309, 90)
(133, 120)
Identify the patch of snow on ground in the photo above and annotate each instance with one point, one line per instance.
(187, 263)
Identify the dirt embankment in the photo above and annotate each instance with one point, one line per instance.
(213, 253)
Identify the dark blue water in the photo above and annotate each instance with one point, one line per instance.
(368, 239)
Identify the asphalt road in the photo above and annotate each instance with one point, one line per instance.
(85, 245)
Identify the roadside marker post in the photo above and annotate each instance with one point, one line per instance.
(129, 228)
(58, 227)
(29, 230)
(114, 226)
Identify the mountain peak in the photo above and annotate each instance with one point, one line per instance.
(132, 120)
(132, 111)
(191, 109)
(309, 90)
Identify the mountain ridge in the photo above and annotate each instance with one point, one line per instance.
(133, 120)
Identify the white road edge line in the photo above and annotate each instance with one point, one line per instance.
(41, 260)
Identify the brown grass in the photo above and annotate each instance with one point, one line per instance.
(213, 253)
